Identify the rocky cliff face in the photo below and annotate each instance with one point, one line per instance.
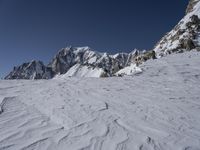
(185, 35)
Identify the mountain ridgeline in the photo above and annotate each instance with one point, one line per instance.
(85, 59)
(85, 62)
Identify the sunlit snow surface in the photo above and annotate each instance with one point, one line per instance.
(158, 109)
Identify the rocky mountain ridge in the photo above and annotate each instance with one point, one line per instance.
(70, 58)
(185, 35)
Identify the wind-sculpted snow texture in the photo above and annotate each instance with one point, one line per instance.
(157, 109)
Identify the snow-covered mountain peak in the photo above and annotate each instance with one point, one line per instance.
(85, 48)
(135, 52)
(115, 56)
(31, 70)
(36, 63)
(76, 50)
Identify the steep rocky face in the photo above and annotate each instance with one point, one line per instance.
(32, 70)
(185, 35)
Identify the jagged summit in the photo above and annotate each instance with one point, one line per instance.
(31, 70)
(74, 49)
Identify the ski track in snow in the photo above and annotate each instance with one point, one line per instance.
(155, 110)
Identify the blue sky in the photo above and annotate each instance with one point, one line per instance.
(37, 29)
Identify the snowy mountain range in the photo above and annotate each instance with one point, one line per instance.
(75, 61)
(85, 62)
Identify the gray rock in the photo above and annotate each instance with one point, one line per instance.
(191, 5)
(184, 36)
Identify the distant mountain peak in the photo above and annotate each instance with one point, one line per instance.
(31, 70)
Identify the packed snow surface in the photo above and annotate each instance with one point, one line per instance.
(157, 109)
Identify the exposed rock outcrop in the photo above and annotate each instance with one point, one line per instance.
(191, 5)
(185, 35)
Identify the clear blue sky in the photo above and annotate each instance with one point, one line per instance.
(36, 29)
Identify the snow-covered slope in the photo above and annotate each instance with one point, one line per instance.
(83, 71)
(185, 35)
(155, 110)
